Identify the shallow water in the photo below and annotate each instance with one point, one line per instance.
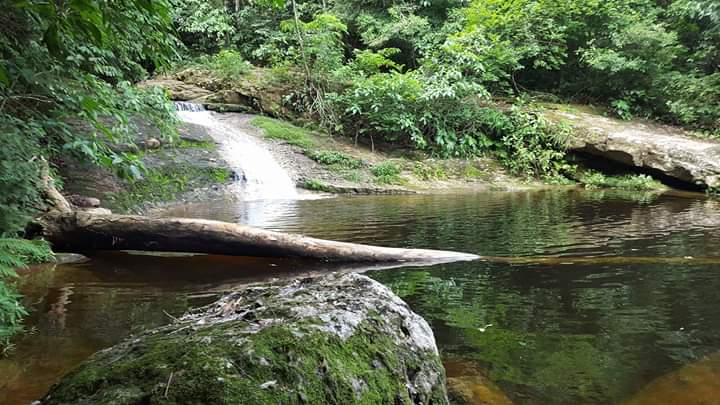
(606, 291)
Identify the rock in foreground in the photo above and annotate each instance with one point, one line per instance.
(337, 339)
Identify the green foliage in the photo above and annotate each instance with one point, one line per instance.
(622, 109)
(203, 25)
(15, 254)
(429, 171)
(530, 144)
(276, 129)
(226, 65)
(334, 158)
(65, 88)
(642, 57)
(387, 172)
(638, 182)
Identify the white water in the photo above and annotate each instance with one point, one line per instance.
(261, 176)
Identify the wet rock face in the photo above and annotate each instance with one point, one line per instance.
(338, 339)
(646, 145)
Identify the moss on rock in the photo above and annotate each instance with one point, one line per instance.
(337, 339)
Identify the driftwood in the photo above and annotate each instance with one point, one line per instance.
(82, 231)
(73, 231)
(69, 230)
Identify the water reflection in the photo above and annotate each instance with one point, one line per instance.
(593, 329)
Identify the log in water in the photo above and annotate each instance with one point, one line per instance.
(81, 231)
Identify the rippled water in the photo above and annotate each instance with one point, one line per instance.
(603, 293)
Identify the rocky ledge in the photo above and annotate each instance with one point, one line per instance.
(671, 151)
(332, 339)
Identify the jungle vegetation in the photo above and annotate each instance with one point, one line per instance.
(452, 77)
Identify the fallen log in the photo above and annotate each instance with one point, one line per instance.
(82, 231)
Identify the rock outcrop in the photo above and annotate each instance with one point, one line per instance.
(334, 339)
(257, 91)
(177, 89)
(669, 150)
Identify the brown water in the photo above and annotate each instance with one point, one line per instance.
(568, 320)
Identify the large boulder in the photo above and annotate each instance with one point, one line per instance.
(337, 339)
(669, 150)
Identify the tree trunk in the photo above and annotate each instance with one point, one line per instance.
(82, 231)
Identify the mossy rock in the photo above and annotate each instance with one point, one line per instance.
(338, 339)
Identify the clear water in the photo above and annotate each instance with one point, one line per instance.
(603, 293)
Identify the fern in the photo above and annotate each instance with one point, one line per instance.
(14, 254)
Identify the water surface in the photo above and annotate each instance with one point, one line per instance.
(605, 293)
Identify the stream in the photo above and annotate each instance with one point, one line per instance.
(567, 321)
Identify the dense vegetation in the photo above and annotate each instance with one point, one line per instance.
(431, 74)
(449, 77)
(66, 86)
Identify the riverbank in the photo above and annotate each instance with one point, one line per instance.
(193, 169)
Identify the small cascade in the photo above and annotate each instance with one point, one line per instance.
(189, 107)
(260, 176)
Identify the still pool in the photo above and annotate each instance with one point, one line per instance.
(585, 296)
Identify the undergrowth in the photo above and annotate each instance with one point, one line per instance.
(387, 172)
(15, 254)
(640, 182)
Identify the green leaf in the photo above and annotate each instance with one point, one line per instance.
(3, 77)
(51, 38)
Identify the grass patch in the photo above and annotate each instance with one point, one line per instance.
(387, 172)
(640, 182)
(472, 172)
(354, 176)
(188, 144)
(276, 129)
(429, 171)
(317, 185)
(335, 159)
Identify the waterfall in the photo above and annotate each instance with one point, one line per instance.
(260, 176)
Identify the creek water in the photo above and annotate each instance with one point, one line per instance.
(605, 292)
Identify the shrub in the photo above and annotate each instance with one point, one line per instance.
(334, 158)
(317, 185)
(387, 172)
(14, 254)
(428, 171)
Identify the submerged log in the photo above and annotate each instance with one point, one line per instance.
(81, 231)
